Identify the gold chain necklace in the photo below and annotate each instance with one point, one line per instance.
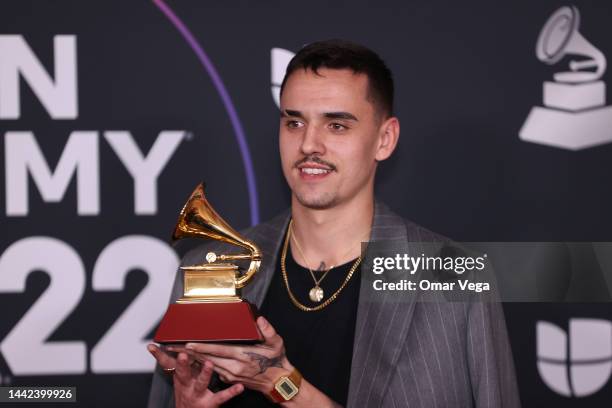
(286, 280)
(316, 294)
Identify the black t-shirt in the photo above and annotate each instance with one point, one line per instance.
(319, 344)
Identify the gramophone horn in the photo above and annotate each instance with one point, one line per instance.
(199, 220)
(560, 37)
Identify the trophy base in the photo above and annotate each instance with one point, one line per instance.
(208, 322)
(568, 130)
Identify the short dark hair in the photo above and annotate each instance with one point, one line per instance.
(341, 54)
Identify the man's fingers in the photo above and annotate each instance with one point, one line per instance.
(163, 359)
(203, 378)
(183, 373)
(226, 364)
(219, 350)
(227, 394)
(224, 375)
(268, 332)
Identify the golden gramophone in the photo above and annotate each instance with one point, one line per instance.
(211, 309)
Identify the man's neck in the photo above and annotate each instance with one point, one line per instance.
(331, 236)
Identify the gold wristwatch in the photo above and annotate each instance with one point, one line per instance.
(286, 387)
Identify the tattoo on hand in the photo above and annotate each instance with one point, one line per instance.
(265, 362)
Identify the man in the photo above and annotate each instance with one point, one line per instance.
(327, 335)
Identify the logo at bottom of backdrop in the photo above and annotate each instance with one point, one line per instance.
(577, 365)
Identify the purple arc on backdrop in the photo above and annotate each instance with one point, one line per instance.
(227, 103)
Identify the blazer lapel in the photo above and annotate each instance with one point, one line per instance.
(382, 323)
(269, 237)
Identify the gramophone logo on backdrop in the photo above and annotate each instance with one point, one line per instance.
(590, 356)
(574, 115)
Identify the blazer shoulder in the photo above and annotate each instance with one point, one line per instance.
(416, 232)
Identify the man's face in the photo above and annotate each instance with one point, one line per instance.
(329, 136)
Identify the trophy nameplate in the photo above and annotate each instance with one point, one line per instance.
(211, 309)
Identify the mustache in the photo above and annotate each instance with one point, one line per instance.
(314, 159)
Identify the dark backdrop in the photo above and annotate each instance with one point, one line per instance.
(466, 78)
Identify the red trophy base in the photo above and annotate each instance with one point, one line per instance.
(208, 322)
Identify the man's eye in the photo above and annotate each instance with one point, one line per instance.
(293, 124)
(337, 126)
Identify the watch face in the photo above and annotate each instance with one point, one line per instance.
(286, 388)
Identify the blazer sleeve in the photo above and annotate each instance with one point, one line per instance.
(162, 392)
(490, 360)
(162, 389)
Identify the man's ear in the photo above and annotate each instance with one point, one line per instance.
(388, 137)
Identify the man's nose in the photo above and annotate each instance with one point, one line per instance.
(313, 141)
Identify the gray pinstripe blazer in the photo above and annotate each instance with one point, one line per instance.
(405, 354)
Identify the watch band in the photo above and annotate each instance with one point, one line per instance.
(286, 387)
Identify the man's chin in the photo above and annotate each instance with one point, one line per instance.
(319, 202)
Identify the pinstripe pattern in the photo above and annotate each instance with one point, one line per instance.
(405, 354)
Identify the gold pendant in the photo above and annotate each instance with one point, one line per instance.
(316, 294)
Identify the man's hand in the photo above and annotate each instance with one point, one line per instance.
(258, 367)
(191, 378)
